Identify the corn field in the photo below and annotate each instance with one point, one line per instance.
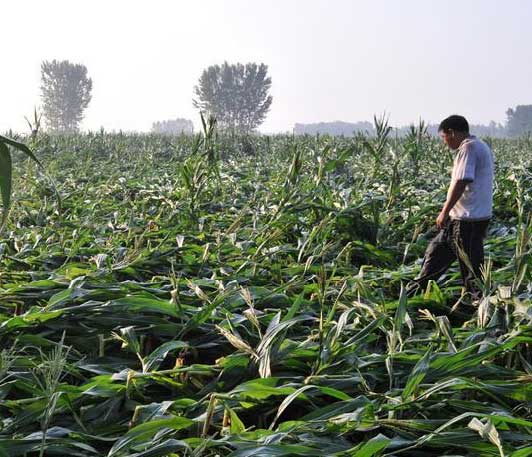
(218, 295)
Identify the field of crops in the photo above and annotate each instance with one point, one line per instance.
(226, 296)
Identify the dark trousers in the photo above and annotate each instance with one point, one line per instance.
(456, 240)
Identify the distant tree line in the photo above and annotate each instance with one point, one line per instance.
(173, 126)
(518, 123)
(336, 128)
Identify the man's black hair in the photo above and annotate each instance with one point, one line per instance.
(454, 122)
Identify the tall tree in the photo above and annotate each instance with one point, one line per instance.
(236, 94)
(66, 93)
(519, 120)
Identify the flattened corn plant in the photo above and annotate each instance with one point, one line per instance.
(213, 296)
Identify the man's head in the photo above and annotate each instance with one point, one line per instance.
(453, 130)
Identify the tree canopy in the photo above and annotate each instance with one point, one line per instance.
(66, 93)
(519, 120)
(236, 94)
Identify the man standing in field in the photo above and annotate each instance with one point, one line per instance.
(465, 216)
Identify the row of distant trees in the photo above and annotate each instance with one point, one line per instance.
(173, 126)
(519, 123)
(237, 95)
(339, 128)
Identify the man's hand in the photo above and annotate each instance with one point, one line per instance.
(456, 190)
(442, 219)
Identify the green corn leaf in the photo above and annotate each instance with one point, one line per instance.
(163, 449)
(152, 361)
(417, 375)
(277, 450)
(373, 447)
(144, 432)
(237, 426)
(5, 182)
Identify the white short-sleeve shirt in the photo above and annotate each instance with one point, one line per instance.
(474, 163)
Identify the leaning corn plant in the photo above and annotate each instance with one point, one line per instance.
(376, 146)
(47, 376)
(6, 173)
(35, 123)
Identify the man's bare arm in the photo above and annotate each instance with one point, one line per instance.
(456, 192)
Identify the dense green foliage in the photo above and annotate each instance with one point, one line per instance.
(202, 296)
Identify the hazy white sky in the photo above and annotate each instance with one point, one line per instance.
(329, 60)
